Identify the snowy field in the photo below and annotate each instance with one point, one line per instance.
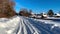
(23, 25)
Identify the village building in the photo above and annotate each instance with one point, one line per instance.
(57, 15)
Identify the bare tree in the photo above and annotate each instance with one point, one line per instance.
(7, 8)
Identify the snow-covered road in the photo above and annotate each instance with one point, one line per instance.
(23, 25)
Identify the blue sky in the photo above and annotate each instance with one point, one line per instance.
(38, 6)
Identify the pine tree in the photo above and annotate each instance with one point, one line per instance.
(50, 13)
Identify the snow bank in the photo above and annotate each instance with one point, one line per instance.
(9, 26)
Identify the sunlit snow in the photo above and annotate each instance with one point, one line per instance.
(23, 25)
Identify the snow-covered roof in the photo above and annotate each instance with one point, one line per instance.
(57, 14)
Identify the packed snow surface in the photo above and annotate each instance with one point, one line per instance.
(23, 25)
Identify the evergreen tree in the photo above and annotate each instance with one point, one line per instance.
(50, 13)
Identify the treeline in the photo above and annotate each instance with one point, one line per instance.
(7, 10)
(50, 13)
(25, 12)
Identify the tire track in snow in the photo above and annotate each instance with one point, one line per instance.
(24, 27)
(27, 25)
(40, 27)
(31, 27)
(20, 30)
